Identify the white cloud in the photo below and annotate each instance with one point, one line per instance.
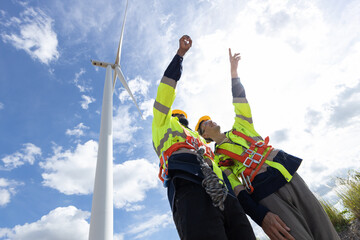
(1, 106)
(86, 101)
(131, 181)
(124, 124)
(7, 190)
(4, 196)
(119, 236)
(77, 131)
(27, 154)
(62, 223)
(84, 18)
(155, 30)
(41, 46)
(265, 59)
(81, 85)
(71, 172)
(138, 86)
(280, 136)
(152, 225)
(345, 109)
(133, 207)
(147, 107)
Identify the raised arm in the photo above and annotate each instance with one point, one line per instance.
(271, 223)
(234, 61)
(166, 90)
(241, 105)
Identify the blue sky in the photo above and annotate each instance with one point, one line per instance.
(299, 67)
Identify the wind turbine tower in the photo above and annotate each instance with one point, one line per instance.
(102, 211)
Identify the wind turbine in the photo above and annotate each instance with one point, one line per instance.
(101, 222)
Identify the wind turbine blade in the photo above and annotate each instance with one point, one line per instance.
(114, 81)
(118, 55)
(124, 83)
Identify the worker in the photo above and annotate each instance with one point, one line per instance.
(271, 193)
(202, 201)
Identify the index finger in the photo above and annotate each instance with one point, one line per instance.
(284, 229)
(230, 55)
(281, 222)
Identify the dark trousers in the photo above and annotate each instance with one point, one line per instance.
(196, 218)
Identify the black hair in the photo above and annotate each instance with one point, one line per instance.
(182, 119)
(184, 122)
(201, 132)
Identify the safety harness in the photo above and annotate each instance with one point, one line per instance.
(190, 143)
(252, 158)
(213, 185)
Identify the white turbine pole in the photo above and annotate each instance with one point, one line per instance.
(101, 222)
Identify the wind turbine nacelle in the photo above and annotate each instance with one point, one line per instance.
(101, 64)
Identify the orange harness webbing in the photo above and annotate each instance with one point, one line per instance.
(251, 159)
(190, 143)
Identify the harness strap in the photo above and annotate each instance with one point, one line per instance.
(240, 134)
(273, 164)
(251, 159)
(260, 165)
(257, 155)
(163, 165)
(233, 156)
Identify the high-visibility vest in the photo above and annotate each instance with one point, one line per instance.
(252, 159)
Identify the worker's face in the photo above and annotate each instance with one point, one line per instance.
(209, 128)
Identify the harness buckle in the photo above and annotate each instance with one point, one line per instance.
(248, 186)
(249, 151)
(249, 160)
(192, 142)
(247, 164)
(259, 144)
(257, 161)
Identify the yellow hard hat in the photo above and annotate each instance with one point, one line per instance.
(203, 118)
(178, 111)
